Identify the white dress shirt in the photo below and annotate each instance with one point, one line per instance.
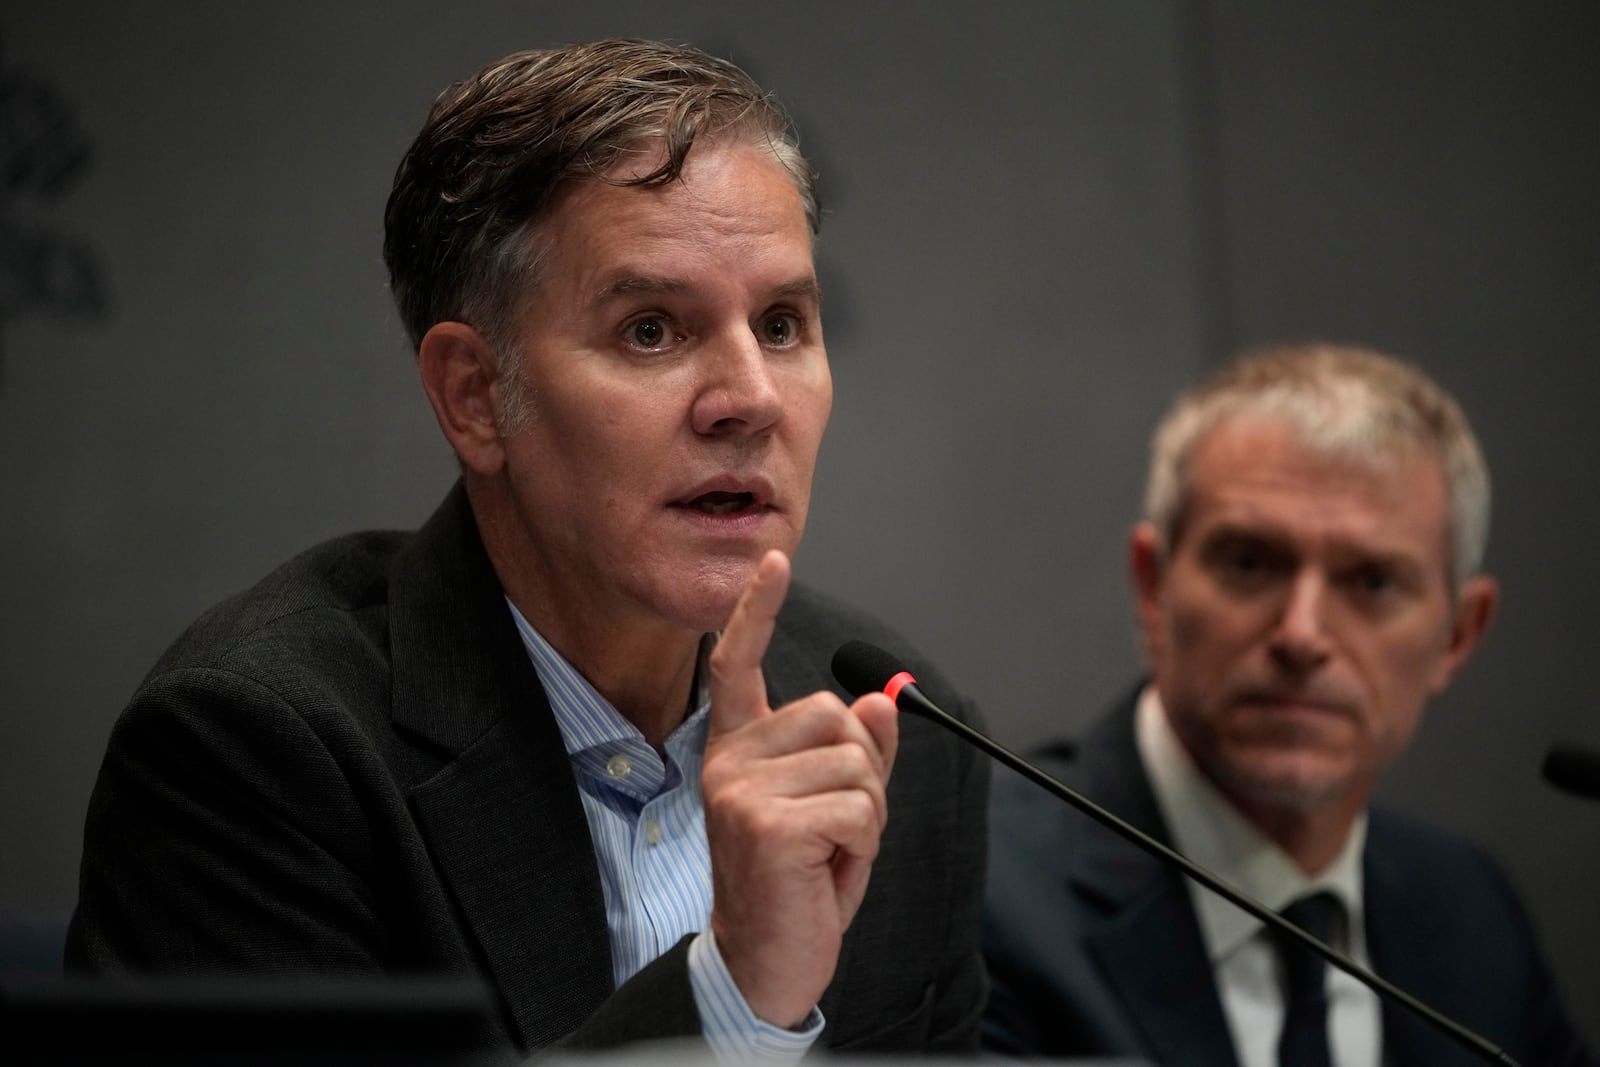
(1209, 830)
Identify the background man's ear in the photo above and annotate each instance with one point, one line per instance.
(1475, 607)
(1147, 570)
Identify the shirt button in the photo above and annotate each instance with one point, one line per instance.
(652, 831)
(619, 766)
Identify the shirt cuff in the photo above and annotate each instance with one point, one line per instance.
(731, 1029)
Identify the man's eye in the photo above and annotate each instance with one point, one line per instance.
(1245, 565)
(1244, 561)
(780, 330)
(648, 333)
(1372, 581)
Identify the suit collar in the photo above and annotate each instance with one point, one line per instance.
(448, 622)
(1400, 924)
(1113, 871)
(502, 818)
(1139, 911)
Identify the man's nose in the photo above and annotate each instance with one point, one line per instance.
(738, 394)
(1300, 641)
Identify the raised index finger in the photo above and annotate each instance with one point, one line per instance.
(738, 690)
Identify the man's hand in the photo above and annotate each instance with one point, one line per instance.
(795, 802)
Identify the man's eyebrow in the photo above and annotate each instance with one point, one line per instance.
(804, 288)
(1245, 530)
(624, 285)
(1396, 559)
(629, 284)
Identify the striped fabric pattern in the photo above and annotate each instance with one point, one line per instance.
(647, 819)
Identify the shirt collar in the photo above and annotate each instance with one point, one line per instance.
(1209, 830)
(593, 730)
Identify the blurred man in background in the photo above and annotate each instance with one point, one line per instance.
(1306, 579)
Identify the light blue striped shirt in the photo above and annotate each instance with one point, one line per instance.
(647, 819)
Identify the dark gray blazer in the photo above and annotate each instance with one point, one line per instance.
(1094, 949)
(352, 769)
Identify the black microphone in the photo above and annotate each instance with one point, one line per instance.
(862, 668)
(1573, 769)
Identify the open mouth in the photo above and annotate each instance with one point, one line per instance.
(722, 503)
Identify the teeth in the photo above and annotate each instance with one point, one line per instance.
(723, 503)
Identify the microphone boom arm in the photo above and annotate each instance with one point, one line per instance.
(917, 703)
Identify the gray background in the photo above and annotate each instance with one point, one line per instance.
(1044, 219)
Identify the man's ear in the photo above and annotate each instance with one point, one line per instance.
(1147, 566)
(459, 373)
(1475, 606)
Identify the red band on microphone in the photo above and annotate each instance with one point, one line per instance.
(893, 686)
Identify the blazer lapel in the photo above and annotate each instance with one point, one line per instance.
(1139, 922)
(502, 818)
(1400, 926)
(1152, 958)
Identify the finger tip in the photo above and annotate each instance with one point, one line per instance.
(773, 567)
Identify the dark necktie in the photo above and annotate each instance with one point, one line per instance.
(1304, 1041)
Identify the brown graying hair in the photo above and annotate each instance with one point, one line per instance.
(1341, 400)
(458, 229)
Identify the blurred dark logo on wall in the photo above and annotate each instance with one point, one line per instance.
(44, 270)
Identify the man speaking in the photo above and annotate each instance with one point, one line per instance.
(575, 734)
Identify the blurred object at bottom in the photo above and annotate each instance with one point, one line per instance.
(234, 1021)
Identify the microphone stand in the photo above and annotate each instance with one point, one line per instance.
(921, 705)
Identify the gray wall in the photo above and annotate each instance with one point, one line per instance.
(1044, 219)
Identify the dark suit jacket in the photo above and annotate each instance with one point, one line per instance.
(1094, 949)
(352, 769)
